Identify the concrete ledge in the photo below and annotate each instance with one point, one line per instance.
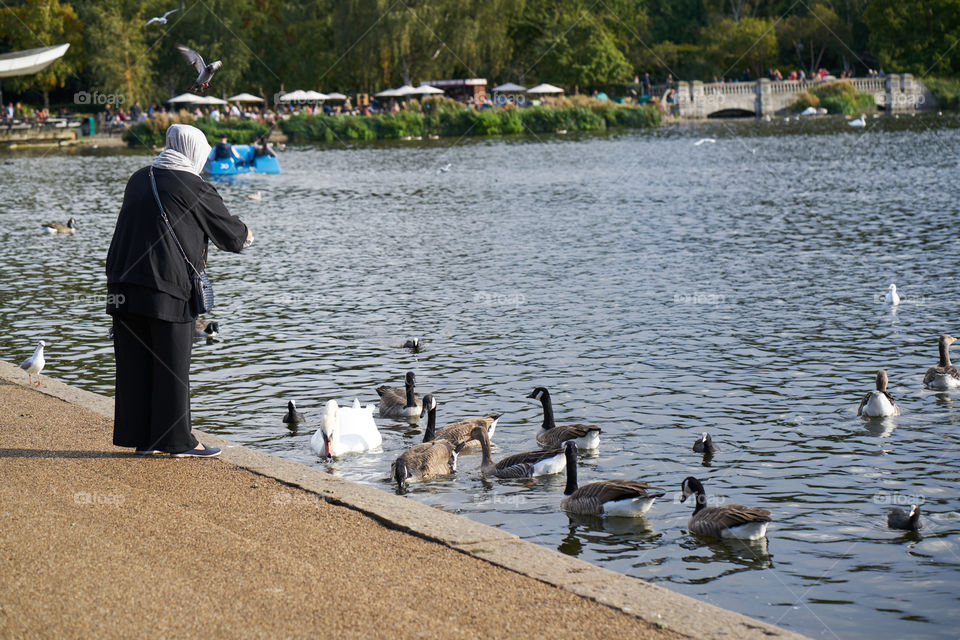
(642, 600)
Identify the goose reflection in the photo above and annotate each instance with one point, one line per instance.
(880, 427)
(742, 554)
(607, 534)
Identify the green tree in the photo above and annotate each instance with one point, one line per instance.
(809, 37)
(748, 44)
(120, 60)
(918, 36)
(42, 23)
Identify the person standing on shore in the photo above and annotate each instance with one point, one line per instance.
(149, 286)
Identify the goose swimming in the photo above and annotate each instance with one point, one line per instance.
(528, 464)
(727, 521)
(54, 228)
(400, 402)
(623, 498)
(944, 375)
(458, 432)
(879, 403)
(430, 458)
(346, 430)
(554, 435)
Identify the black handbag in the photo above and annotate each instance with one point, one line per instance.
(201, 294)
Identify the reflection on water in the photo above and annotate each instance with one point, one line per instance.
(657, 288)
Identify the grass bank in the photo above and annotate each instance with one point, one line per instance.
(440, 117)
(152, 131)
(836, 97)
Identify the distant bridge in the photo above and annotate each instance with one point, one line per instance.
(893, 93)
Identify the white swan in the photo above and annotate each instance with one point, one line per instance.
(892, 297)
(859, 122)
(809, 111)
(345, 430)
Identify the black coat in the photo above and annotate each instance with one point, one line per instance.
(144, 253)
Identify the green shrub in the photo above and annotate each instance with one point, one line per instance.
(837, 88)
(946, 91)
(237, 131)
(805, 99)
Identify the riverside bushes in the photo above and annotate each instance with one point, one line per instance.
(152, 131)
(946, 91)
(836, 97)
(443, 117)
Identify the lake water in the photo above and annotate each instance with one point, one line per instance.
(657, 287)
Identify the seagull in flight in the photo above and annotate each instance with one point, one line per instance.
(161, 20)
(702, 140)
(205, 71)
(444, 168)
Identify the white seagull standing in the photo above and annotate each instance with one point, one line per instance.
(205, 71)
(34, 364)
(892, 298)
(162, 19)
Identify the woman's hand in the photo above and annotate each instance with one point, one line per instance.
(249, 240)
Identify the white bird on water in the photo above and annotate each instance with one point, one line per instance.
(444, 168)
(702, 140)
(892, 297)
(34, 364)
(859, 122)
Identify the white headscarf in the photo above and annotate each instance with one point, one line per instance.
(186, 150)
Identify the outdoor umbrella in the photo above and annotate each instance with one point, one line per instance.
(210, 100)
(545, 88)
(388, 93)
(509, 87)
(294, 96)
(315, 96)
(427, 90)
(336, 96)
(245, 97)
(186, 97)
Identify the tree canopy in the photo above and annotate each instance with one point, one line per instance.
(269, 46)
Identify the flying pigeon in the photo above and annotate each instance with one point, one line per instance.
(206, 71)
(162, 20)
(34, 364)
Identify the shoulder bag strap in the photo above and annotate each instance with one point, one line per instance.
(166, 220)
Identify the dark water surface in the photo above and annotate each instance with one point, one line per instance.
(658, 288)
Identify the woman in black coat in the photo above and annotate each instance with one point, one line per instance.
(149, 288)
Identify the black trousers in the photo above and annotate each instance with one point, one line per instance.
(153, 383)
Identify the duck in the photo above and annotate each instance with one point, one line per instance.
(430, 458)
(726, 521)
(704, 444)
(619, 498)
(944, 375)
(400, 402)
(205, 331)
(34, 364)
(54, 228)
(346, 430)
(293, 417)
(528, 464)
(892, 297)
(879, 403)
(900, 519)
(458, 432)
(554, 435)
(859, 122)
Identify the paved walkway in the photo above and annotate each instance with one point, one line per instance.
(95, 542)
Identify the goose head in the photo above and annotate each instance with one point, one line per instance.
(947, 340)
(691, 487)
(331, 423)
(429, 404)
(410, 380)
(539, 393)
(212, 329)
(72, 223)
(882, 380)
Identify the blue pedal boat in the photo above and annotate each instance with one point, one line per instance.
(246, 164)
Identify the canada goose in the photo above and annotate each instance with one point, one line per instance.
(879, 403)
(205, 330)
(900, 519)
(346, 430)
(554, 435)
(430, 458)
(704, 444)
(400, 402)
(458, 432)
(34, 364)
(944, 375)
(727, 521)
(520, 465)
(293, 416)
(53, 228)
(623, 498)
(892, 298)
